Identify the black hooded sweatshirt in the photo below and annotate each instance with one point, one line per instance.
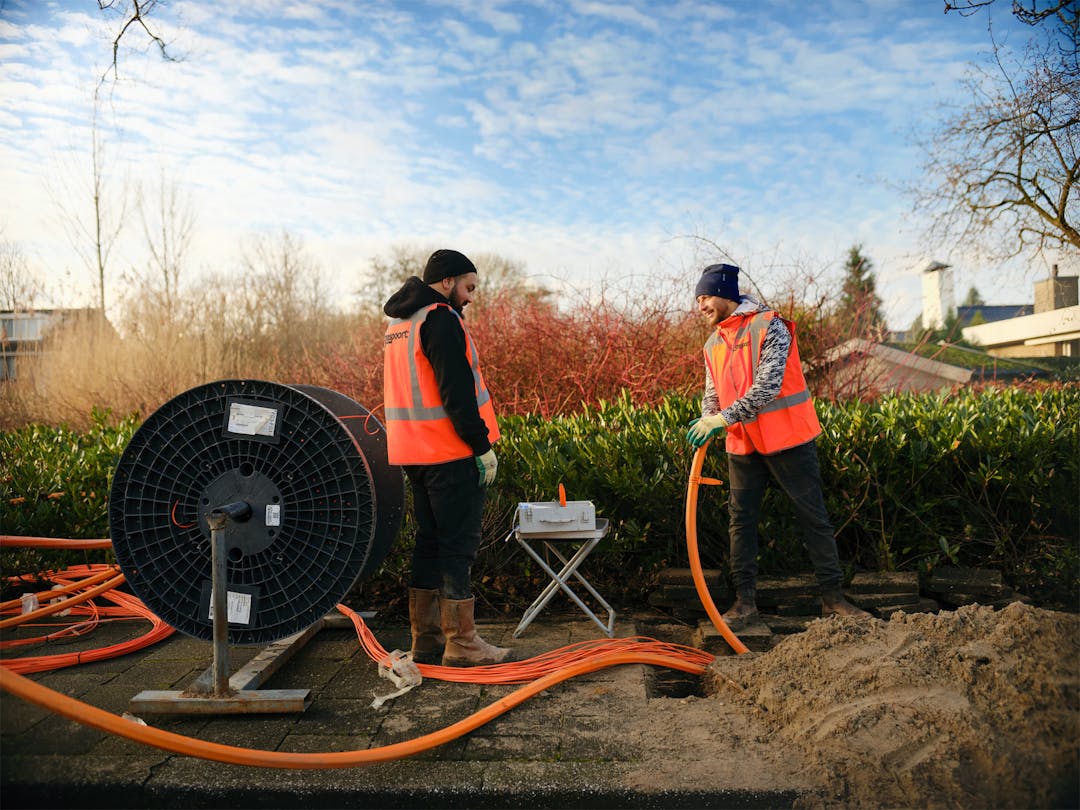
(442, 338)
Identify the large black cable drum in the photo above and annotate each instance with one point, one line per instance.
(325, 505)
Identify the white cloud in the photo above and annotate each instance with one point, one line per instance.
(577, 137)
(616, 12)
(489, 13)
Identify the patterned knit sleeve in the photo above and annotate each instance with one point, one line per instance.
(710, 403)
(768, 376)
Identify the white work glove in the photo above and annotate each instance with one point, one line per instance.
(486, 465)
(703, 429)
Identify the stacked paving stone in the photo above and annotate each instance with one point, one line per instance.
(953, 587)
(677, 595)
(788, 604)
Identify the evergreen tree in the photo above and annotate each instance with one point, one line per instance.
(860, 304)
(973, 299)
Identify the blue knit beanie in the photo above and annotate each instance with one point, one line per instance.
(721, 280)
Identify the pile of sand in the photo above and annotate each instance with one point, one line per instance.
(972, 708)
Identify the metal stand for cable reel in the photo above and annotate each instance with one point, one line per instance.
(215, 692)
(243, 511)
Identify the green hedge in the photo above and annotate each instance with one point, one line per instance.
(987, 477)
(981, 477)
(54, 482)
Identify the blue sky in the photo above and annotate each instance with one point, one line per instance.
(594, 142)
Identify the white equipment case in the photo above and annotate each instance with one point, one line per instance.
(574, 520)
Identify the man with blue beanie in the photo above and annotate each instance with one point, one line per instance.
(755, 392)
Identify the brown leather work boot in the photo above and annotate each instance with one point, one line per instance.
(833, 603)
(744, 612)
(464, 647)
(425, 622)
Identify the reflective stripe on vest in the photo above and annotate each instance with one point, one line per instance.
(733, 354)
(418, 428)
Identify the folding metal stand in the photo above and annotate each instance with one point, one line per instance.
(586, 542)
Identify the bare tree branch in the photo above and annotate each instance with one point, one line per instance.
(965, 8)
(135, 13)
(1001, 170)
(94, 230)
(1065, 14)
(168, 224)
(19, 288)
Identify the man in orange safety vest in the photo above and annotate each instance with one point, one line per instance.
(440, 427)
(756, 392)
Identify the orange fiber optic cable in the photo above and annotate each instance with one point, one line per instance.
(97, 718)
(696, 480)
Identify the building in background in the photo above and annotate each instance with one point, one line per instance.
(1005, 342)
(937, 293)
(24, 334)
(1050, 329)
(861, 368)
(975, 314)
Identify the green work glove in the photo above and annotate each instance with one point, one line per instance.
(486, 465)
(703, 429)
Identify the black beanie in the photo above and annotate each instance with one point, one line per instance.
(721, 280)
(445, 263)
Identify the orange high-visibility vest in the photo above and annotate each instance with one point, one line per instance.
(418, 429)
(732, 354)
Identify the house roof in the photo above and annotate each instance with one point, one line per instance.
(1053, 326)
(899, 357)
(949, 362)
(992, 312)
(979, 363)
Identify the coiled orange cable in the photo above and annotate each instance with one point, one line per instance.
(63, 604)
(128, 606)
(109, 571)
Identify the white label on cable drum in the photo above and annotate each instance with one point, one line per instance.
(251, 420)
(238, 610)
(273, 514)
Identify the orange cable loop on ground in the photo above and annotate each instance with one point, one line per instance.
(62, 604)
(127, 606)
(66, 631)
(177, 743)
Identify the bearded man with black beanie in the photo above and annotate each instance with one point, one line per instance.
(440, 426)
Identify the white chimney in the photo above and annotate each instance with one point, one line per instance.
(937, 294)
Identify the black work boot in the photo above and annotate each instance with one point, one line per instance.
(744, 612)
(833, 603)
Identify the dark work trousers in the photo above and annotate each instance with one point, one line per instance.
(448, 503)
(797, 473)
